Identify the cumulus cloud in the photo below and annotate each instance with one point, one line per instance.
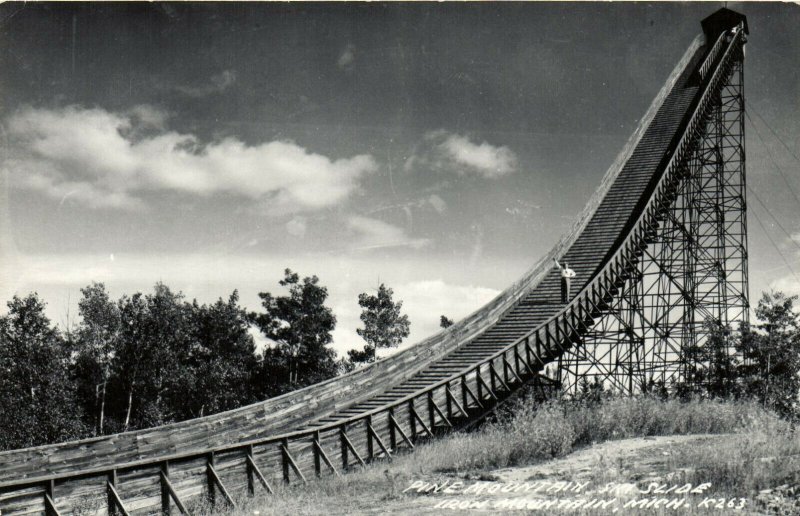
(450, 152)
(216, 84)
(486, 159)
(376, 234)
(101, 159)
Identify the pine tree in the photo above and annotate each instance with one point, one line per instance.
(384, 325)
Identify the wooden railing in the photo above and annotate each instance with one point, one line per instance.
(222, 471)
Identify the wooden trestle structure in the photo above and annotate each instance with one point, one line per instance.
(659, 251)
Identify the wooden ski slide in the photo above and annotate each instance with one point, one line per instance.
(449, 380)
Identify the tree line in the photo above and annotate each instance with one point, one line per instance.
(150, 359)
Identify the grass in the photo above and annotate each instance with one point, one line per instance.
(746, 462)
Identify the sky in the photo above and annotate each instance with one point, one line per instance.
(439, 148)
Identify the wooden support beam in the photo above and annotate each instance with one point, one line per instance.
(393, 424)
(482, 382)
(493, 374)
(370, 448)
(352, 448)
(114, 500)
(509, 366)
(412, 423)
(254, 471)
(525, 361)
(49, 499)
(212, 473)
(415, 416)
(471, 394)
(392, 433)
(464, 391)
(448, 403)
(452, 399)
(343, 447)
(378, 440)
(288, 459)
(441, 414)
(325, 458)
(165, 499)
(50, 506)
(169, 491)
(211, 485)
(431, 412)
(317, 459)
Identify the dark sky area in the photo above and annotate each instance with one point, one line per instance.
(439, 147)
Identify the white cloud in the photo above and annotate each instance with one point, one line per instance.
(444, 151)
(376, 234)
(91, 156)
(216, 84)
(485, 159)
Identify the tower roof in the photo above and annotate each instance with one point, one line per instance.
(722, 20)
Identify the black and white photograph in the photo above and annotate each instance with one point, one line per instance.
(345, 258)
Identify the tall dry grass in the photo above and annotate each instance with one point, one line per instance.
(525, 435)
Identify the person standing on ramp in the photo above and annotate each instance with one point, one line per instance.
(566, 276)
